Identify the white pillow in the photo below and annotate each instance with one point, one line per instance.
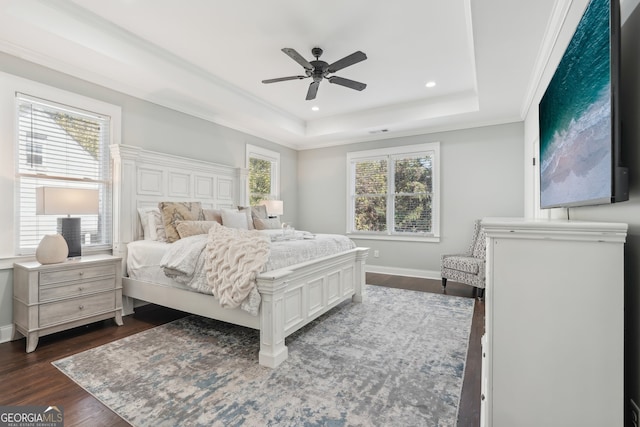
(144, 221)
(234, 219)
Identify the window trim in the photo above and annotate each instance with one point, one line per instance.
(253, 151)
(9, 86)
(432, 147)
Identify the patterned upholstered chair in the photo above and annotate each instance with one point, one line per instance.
(469, 267)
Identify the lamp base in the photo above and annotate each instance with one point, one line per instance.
(69, 228)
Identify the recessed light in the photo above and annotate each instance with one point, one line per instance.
(430, 84)
(315, 108)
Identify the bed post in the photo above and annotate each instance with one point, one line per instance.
(123, 165)
(360, 278)
(272, 349)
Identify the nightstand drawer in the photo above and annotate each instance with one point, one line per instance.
(76, 289)
(80, 273)
(65, 311)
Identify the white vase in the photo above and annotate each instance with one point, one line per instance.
(52, 249)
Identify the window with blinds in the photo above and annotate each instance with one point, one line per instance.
(392, 191)
(61, 146)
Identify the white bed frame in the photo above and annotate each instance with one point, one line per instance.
(291, 297)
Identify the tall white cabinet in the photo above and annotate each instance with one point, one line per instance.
(553, 346)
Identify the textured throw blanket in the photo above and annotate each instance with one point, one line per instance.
(193, 262)
(233, 259)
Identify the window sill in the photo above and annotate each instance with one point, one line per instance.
(396, 238)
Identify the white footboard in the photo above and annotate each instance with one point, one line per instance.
(294, 296)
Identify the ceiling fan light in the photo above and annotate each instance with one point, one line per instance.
(430, 84)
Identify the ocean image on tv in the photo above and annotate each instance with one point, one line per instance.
(575, 118)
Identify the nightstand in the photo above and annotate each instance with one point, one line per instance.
(55, 297)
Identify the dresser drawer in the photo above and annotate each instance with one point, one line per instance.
(80, 273)
(76, 289)
(77, 308)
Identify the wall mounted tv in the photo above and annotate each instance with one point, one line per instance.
(580, 158)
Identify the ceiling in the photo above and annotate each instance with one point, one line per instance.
(208, 58)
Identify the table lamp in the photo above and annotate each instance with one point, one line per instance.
(68, 201)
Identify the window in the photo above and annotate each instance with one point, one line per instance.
(60, 146)
(394, 192)
(264, 172)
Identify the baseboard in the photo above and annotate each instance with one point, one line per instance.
(408, 272)
(6, 333)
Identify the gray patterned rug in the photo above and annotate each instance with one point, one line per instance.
(395, 360)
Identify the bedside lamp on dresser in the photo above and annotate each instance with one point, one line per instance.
(68, 201)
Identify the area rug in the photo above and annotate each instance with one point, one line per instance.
(397, 359)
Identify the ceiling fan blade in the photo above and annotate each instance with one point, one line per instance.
(298, 58)
(354, 58)
(352, 84)
(283, 79)
(313, 90)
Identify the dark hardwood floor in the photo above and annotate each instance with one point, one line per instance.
(31, 379)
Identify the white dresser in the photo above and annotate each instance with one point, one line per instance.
(553, 349)
(51, 298)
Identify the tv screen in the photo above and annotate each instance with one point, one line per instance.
(579, 129)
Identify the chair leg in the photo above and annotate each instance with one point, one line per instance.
(444, 282)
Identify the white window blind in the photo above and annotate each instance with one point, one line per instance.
(60, 146)
(392, 191)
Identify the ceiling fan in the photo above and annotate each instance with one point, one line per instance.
(319, 70)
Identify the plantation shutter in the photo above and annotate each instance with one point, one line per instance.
(61, 146)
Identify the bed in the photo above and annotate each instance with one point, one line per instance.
(291, 297)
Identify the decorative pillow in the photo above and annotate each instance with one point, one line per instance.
(234, 219)
(191, 228)
(247, 212)
(213, 215)
(172, 212)
(266, 224)
(259, 211)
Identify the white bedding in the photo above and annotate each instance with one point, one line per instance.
(144, 256)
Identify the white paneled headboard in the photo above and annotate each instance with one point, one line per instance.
(144, 178)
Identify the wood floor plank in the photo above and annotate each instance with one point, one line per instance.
(31, 379)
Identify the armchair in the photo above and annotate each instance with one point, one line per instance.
(468, 267)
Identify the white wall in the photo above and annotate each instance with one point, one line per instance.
(626, 212)
(481, 175)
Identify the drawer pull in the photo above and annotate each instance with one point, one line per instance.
(482, 396)
(81, 307)
(82, 273)
(80, 288)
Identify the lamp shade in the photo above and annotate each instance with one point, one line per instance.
(66, 201)
(274, 207)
